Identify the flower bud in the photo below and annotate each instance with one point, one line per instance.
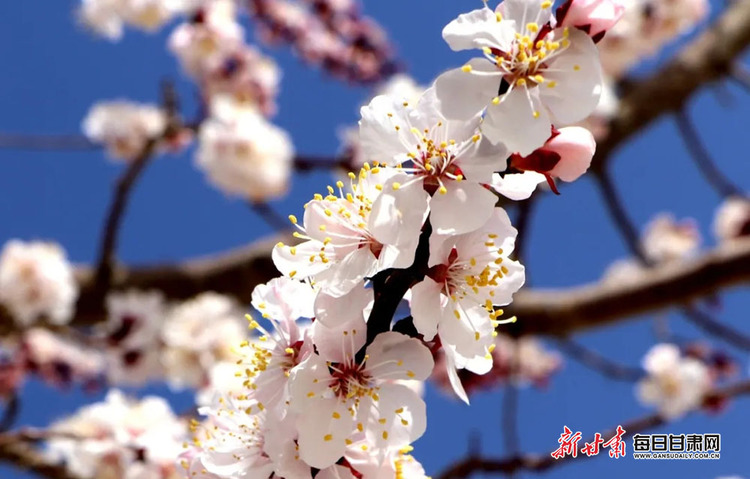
(593, 16)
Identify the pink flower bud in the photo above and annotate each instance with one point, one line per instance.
(598, 15)
(576, 147)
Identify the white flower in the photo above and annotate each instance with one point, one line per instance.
(354, 235)
(666, 239)
(351, 397)
(531, 77)
(246, 155)
(732, 219)
(469, 275)
(203, 44)
(199, 333)
(284, 299)
(675, 384)
(445, 158)
(37, 281)
(124, 127)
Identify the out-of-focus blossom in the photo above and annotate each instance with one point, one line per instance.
(198, 334)
(732, 219)
(245, 155)
(646, 26)
(666, 239)
(124, 127)
(120, 438)
(60, 361)
(131, 336)
(108, 17)
(37, 282)
(330, 34)
(675, 384)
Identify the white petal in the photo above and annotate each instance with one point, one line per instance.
(523, 12)
(455, 381)
(517, 186)
(348, 273)
(332, 311)
(323, 434)
(449, 211)
(335, 472)
(405, 417)
(578, 80)
(463, 95)
(519, 120)
(476, 29)
(397, 215)
(397, 356)
(295, 260)
(426, 308)
(378, 136)
(340, 343)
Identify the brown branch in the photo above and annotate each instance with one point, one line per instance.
(599, 363)
(23, 455)
(708, 58)
(538, 463)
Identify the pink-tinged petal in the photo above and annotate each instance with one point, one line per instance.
(426, 307)
(440, 249)
(464, 94)
(334, 311)
(348, 273)
(340, 343)
(448, 212)
(405, 417)
(517, 186)
(294, 261)
(384, 130)
(476, 29)
(323, 432)
(576, 147)
(518, 120)
(284, 299)
(598, 15)
(510, 283)
(455, 381)
(397, 356)
(576, 76)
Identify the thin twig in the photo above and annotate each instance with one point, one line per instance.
(538, 462)
(10, 414)
(311, 163)
(702, 158)
(598, 362)
(718, 329)
(271, 217)
(125, 184)
(619, 216)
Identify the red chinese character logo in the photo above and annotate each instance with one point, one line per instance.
(616, 444)
(568, 444)
(592, 448)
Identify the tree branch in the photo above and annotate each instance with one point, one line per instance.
(538, 463)
(599, 363)
(709, 57)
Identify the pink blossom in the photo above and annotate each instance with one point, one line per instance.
(593, 16)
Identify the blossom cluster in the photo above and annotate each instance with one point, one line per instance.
(119, 437)
(330, 382)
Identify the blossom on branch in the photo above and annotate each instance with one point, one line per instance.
(36, 282)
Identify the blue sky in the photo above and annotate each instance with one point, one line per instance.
(55, 71)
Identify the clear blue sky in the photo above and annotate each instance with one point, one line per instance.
(53, 71)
